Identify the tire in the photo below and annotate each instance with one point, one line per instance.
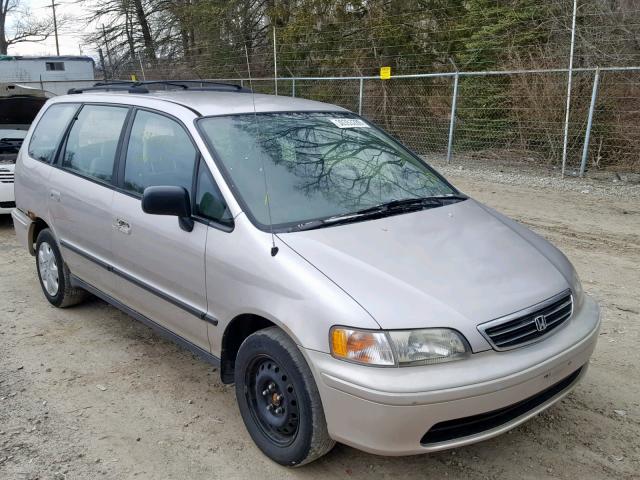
(298, 434)
(54, 274)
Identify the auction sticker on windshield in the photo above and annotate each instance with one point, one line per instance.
(349, 123)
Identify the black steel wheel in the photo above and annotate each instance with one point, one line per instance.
(279, 400)
(272, 399)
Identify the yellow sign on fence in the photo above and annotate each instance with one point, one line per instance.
(385, 73)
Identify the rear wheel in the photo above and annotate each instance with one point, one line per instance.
(54, 274)
(279, 400)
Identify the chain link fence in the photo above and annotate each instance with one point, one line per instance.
(514, 117)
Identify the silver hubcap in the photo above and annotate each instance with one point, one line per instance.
(48, 269)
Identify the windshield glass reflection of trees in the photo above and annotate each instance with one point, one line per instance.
(314, 169)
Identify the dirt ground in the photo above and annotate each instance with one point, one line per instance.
(88, 392)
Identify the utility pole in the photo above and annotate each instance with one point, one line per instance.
(55, 24)
(106, 44)
(104, 68)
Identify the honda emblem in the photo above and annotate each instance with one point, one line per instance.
(541, 323)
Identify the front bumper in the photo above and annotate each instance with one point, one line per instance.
(7, 199)
(389, 410)
(23, 226)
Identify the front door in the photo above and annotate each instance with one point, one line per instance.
(161, 266)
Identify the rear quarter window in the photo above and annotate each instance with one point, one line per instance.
(49, 131)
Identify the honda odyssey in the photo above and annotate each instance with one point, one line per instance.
(349, 291)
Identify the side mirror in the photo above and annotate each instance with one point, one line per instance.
(169, 200)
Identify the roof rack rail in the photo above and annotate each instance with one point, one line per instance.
(141, 87)
(107, 87)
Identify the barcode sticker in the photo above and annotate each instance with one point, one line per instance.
(349, 123)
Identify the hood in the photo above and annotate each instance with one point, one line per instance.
(19, 111)
(454, 266)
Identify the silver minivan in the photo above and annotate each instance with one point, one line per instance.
(349, 291)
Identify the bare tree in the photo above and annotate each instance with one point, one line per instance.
(26, 28)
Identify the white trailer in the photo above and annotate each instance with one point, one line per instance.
(53, 74)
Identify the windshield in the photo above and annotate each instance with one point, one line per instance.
(317, 165)
(10, 143)
(12, 133)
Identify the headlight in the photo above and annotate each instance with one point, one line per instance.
(578, 292)
(398, 347)
(432, 345)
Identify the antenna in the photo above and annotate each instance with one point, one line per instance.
(267, 199)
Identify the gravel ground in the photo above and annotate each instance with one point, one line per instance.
(88, 392)
(624, 186)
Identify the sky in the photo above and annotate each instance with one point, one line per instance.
(69, 35)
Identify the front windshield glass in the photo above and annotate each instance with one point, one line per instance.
(317, 165)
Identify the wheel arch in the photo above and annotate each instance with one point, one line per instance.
(236, 331)
(34, 230)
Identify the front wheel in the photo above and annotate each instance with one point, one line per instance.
(278, 399)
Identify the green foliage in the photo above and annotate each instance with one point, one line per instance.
(495, 34)
(499, 32)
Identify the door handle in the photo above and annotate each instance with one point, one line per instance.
(122, 226)
(54, 195)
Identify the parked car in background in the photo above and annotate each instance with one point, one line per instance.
(349, 291)
(18, 107)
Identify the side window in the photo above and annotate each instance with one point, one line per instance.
(209, 201)
(93, 141)
(54, 66)
(49, 131)
(159, 153)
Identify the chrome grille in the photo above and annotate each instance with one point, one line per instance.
(6, 176)
(529, 325)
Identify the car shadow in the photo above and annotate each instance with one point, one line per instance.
(180, 365)
(6, 223)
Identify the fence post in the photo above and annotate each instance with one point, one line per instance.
(275, 61)
(570, 79)
(360, 96)
(452, 120)
(242, 82)
(293, 87)
(587, 135)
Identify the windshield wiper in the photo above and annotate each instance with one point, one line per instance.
(412, 203)
(384, 209)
